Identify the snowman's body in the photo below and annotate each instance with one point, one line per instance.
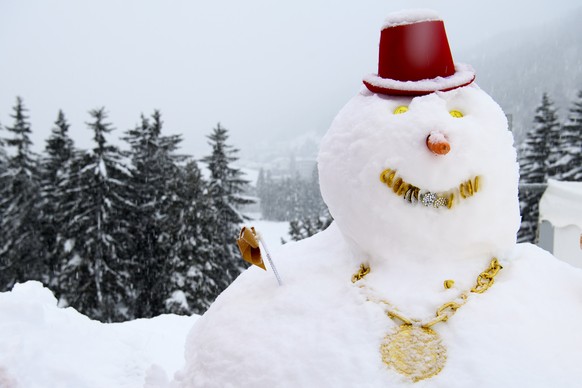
(322, 330)
(318, 331)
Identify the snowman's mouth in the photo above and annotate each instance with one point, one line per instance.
(414, 194)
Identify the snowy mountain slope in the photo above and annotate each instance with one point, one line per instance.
(515, 69)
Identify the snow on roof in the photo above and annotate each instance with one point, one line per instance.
(410, 16)
(561, 203)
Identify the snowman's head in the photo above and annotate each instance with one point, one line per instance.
(434, 173)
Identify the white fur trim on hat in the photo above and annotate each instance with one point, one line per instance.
(464, 74)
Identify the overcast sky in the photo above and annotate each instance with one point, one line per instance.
(267, 70)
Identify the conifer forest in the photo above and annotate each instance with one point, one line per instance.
(119, 234)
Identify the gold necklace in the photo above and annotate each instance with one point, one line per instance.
(414, 349)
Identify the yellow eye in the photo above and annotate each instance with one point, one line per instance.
(456, 114)
(400, 109)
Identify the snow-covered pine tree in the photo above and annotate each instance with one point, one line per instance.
(225, 189)
(95, 276)
(3, 177)
(3, 167)
(540, 144)
(20, 250)
(308, 226)
(538, 155)
(569, 166)
(195, 261)
(155, 174)
(3, 158)
(55, 167)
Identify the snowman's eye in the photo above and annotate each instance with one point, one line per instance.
(456, 114)
(400, 109)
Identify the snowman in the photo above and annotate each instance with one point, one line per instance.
(419, 280)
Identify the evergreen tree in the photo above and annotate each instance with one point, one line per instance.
(3, 157)
(569, 166)
(20, 250)
(3, 178)
(307, 227)
(59, 151)
(225, 189)
(155, 177)
(196, 264)
(538, 158)
(94, 278)
(539, 148)
(3, 168)
(546, 121)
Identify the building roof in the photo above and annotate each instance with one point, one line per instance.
(561, 203)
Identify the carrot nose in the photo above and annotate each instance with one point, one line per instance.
(438, 143)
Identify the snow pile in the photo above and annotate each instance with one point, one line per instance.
(44, 346)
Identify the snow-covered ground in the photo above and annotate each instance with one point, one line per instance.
(44, 346)
(271, 231)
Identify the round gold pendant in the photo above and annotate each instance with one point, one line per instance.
(416, 352)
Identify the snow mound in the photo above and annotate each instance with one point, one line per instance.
(42, 345)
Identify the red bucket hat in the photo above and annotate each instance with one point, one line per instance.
(415, 57)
